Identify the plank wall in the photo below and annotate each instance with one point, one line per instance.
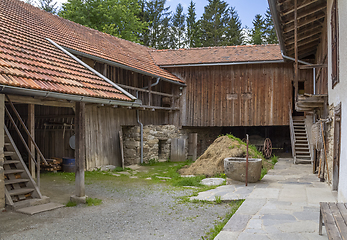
(238, 95)
(321, 58)
(102, 127)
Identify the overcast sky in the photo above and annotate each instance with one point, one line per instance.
(246, 9)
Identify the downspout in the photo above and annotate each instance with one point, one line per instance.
(140, 123)
(141, 131)
(305, 63)
(154, 84)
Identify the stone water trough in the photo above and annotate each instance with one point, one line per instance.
(235, 168)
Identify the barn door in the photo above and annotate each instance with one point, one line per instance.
(337, 147)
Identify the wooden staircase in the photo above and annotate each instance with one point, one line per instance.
(301, 151)
(20, 188)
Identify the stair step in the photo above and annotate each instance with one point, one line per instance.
(40, 208)
(300, 134)
(302, 148)
(301, 137)
(20, 191)
(7, 144)
(9, 153)
(303, 156)
(13, 171)
(301, 152)
(12, 181)
(11, 161)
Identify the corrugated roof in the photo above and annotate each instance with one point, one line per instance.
(228, 54)
(27, 60)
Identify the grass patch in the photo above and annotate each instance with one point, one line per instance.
(218, 199)
(93, 201)
(71, 204)
(219, 225)
(274, 159)
(188, 181)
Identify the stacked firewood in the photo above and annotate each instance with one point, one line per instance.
(52, 165)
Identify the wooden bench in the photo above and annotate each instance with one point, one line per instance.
(334, 217)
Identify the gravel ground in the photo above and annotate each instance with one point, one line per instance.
(131, 211)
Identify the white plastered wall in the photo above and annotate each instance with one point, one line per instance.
(339, 93)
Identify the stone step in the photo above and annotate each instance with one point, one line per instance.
(20, 191)
(30, 203)
(12, 181)
(40, 208)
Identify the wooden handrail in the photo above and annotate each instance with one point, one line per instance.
(20, 135)
(26, 129)
(292, 138)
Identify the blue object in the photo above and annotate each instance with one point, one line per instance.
(69, 165)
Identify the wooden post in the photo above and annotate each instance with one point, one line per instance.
(80, 155)
(149, 92)
(193, 145)
(296, 68)
(2, 140)
(31, 128)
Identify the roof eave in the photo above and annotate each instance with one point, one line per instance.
(277, 24)
(220, 64)
(112, 63)
(5, 89)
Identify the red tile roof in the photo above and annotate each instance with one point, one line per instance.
(28, 60)
(229, 54)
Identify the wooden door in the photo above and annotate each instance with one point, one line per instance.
(337, 147)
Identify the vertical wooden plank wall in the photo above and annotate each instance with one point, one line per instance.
(102, 128)
(237, 95)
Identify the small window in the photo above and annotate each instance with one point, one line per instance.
(334, 44)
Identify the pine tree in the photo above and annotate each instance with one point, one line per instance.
(257, 35)
(220, 25)
(178, 28)
(158, 18)
(233, 34)
(213, 23)
(48, 6)
(270, 32)
(193, 39)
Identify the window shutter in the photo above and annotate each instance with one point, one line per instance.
(334, 45)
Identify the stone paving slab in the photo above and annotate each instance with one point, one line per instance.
(283, 205)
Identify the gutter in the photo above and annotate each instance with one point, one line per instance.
(69, 97)
(305, 63)
(93, 70)
(277, 24)
(115, 64)
(219, 64)
(152, 85)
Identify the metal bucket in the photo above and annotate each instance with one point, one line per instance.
(69, 165)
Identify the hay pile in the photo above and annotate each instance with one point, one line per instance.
(212, 161)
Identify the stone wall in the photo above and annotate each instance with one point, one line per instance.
(330, 144)
(156, 142)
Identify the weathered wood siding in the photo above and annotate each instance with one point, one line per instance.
(321, 58)
(238, 95)
(102, 132)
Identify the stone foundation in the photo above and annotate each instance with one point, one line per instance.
(156, 142)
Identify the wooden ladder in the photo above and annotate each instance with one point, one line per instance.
(302, 151)
(19, 185)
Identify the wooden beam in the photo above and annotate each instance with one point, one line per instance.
(80, 155)
(313, 66)
(299, 7)
(31, 128)
(2, 144)
(305, 14)
(303, 43)
(40, 101)
(304, 35)
(149, 91)
(296, 66)
(304, 23)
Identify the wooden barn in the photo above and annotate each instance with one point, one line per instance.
(53, 86)
(237, 89)
(313, 33)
